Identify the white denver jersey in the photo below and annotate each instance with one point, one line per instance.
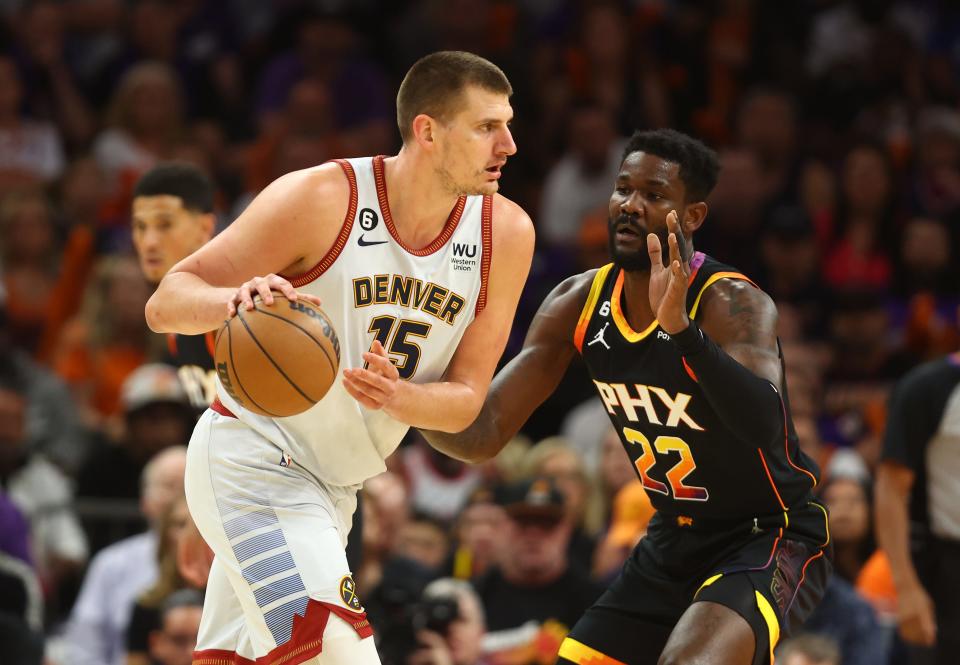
(418, 303)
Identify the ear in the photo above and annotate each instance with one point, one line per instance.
(424, 128)
(155, 643)
(208, 223)
(693, 217)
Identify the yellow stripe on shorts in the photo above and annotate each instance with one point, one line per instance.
(581, 654)
(770, 617)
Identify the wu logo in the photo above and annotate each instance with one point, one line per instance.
(463, 249)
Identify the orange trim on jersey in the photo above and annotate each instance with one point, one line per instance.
(448, 228)
(580, 653)
(486, 233)
(715, 277)
(306, 639)
(690, 372)
(786, 444)
(587, 312)
(211, 345)
(772, 484)
(324, 264)
(172, 344)
(629, 333)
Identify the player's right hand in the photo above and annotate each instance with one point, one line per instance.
(264, 287)
(915, 616)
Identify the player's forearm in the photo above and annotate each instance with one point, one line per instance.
(893, 532)
(186, 304)
(747, 404)
(481, 441)
(445, 406)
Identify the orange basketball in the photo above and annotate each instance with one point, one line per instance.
(278, 360)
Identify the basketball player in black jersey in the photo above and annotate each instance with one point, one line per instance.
(684, 355)
(172, 217)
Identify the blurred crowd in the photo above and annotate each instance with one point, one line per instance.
(837, 123)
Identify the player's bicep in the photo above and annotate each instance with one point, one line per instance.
(483, 342)
(272, 234)
(742, 319)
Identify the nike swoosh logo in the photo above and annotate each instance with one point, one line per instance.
(368, 243)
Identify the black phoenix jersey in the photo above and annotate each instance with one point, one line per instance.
(193, 356)
(691, 465)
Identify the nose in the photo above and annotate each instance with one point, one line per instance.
(507, 145)
(631, 205)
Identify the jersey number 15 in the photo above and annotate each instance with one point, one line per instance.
(395, 336)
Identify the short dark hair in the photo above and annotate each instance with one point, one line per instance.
(184, 181)
(434, 83)
(699, 166)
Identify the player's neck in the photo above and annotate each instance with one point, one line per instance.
(635, 300)
(419, 204)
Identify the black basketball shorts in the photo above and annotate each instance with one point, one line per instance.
(773, 579)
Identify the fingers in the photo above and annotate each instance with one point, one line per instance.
(369, 388)
(654, 250)
(354, 390)
(264, 288)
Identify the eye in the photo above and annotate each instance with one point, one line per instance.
(653, 196)
(622, 190)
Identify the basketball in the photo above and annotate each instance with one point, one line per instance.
(277, 360)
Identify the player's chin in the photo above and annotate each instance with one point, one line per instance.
(630, 259)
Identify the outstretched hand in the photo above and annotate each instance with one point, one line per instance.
(375, 384)
(668, 284)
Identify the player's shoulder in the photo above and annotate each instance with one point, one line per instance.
(571, 294)
(509, 215)
(316, 182)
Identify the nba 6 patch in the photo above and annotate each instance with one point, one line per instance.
(348, 593)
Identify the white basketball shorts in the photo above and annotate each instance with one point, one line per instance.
(278, 534)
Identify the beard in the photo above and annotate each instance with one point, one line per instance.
(634, 260)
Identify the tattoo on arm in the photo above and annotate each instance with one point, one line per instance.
(742, 319)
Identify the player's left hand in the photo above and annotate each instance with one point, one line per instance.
(668, 284)
(375, 384)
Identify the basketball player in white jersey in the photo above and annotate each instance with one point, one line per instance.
(419, 264)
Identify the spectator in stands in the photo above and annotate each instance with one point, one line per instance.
(462, 641)
(631, 513)
(918, 507)
(809, 650)
(146, 614)
(156, 415)
(173, 643)
(108, 339)
(851, 525)
(53, 427)
(21, 612)
(48, 70)
(859, 256)
(386, 508)
(533, 596)
(480, 534)
(579, 182)
(30, 150)
(553, 458)
(424, 540)
(851, 623)
(39, 490)
(121, 572)
(144, 123)
(439, 485)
